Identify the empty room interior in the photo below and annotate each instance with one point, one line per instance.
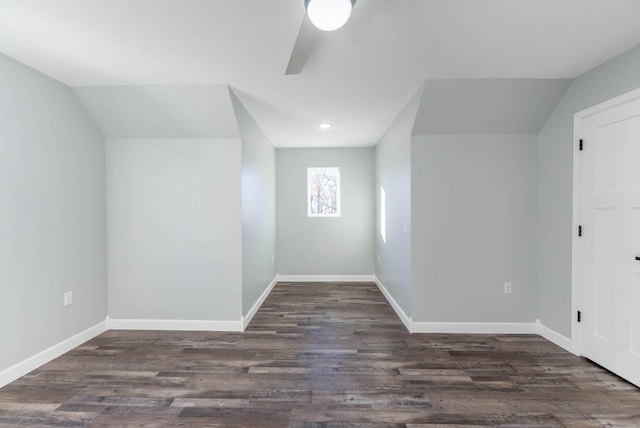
(267, 213)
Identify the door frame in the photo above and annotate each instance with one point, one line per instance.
(577, 289)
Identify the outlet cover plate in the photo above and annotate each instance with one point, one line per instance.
(508, 288)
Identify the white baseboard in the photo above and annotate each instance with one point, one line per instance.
(475, 327)
(247, 319)
(23, 367)
(407, 321)
(554, 337)
(326, 278)
(183, 325)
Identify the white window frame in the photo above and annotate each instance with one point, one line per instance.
(310, 170)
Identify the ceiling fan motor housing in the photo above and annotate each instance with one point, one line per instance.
(306, 3)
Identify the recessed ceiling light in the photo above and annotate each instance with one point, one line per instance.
(325, 126)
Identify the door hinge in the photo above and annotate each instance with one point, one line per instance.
(579, 316)
(580, 230)
(581, 144)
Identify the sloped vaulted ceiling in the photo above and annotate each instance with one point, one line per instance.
(154, 112)
(358, 77)
(487, 106)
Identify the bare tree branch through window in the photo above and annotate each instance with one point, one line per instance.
(323, 192)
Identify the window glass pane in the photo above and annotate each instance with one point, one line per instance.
(323, 192)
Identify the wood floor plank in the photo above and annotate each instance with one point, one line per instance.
(319, 355)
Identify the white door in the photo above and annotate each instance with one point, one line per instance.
(609, 249)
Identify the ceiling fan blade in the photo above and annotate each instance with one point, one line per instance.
(308, 37)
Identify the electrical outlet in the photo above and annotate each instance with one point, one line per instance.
(508, 288)
(68, 298)
(378, 258)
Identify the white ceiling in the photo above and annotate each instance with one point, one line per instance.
(358, 78)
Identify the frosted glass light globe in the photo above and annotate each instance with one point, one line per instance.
(329, 15)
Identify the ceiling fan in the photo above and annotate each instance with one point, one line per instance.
(321, 16)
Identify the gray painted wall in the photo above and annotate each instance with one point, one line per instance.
(393, 173)
(258, 208)
(325, 245)
(474, 228)
(52, 214)
(174, 229)
(555, 178)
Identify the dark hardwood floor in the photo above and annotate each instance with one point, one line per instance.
(319, 355)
